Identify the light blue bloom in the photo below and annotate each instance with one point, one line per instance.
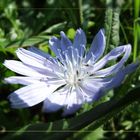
(73, 77)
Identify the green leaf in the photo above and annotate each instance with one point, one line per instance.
(55, 28)
(91, 119)
(112, 24)
(29, 42)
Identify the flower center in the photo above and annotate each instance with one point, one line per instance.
(74, 71)
(71, 77)
(72, 80)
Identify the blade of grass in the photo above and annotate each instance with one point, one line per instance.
(136, 28)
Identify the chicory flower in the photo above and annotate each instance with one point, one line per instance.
(74, 76)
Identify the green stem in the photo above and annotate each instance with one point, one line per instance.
(80, 11)
(123, 31)
(136, 29)
(108, 23)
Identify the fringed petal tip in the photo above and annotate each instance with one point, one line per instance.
(52, 40)
(102, 30)
(62, 34)
(79, 31)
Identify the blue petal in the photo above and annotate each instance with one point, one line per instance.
(59, 47)
(22, 80)
(74, 101)
(80, 41)
(99, 86)
(28, 96)
(56, 100)
(72, 57)
(32, 94)
(126, 49)
(21, 68)
(43, 54)
(65, 42)
(55, 45)
(50, 106)
(37, 62)
(30, 58)
(39, 52)
(97, 47)
(119, 77)
(92, 89)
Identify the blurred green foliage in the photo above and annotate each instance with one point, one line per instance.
(26, 23)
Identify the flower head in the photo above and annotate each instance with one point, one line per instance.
(74, 76)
